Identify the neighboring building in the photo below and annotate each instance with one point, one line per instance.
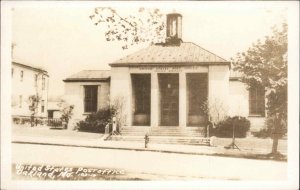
(167, 84)
(53, 110)
(28, 81)
(246, 102)
(88, 91)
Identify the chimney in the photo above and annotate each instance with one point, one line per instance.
(174, 29)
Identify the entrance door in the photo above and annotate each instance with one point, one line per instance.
(169, 99)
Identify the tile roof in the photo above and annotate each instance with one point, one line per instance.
(89, 75)
(186, 52)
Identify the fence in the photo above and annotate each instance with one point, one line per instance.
(54, 122)
(27, 120)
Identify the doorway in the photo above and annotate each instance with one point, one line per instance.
(169, 99)
(141, 99)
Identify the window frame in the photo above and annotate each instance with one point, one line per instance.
(257, 103)
(42, 106)
(142, 92)
(43, 83)
(21, 75)
(90, 104)
(20, 101)
(35, 79)
(196, 96)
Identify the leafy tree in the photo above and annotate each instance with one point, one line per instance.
(66, 111)
(147, 26)
(34, 101)
(265, 64)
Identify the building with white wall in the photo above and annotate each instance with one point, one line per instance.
(28, 81)
(88, 91)
(166, 85)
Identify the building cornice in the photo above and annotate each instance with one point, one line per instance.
(168, 64)
(86, 80)
(31, 68)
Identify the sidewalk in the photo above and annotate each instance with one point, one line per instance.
(46, 136)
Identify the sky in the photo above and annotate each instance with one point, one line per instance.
(63, 40)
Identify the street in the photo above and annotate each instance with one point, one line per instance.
(151, 165)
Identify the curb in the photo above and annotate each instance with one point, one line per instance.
(245, 155)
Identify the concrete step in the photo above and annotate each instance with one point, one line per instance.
(164, 131)
(164, 140)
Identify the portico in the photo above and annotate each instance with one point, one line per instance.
(168, 95)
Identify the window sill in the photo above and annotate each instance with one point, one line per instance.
(87, 113)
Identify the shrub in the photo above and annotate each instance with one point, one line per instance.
(66, 112)
(225, 128)
(25, 120)
(96, 122)
(16, 120)
(269, 129)
(262, 133)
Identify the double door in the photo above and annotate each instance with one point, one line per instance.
(169, 99)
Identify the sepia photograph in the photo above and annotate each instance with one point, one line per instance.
(150, 95)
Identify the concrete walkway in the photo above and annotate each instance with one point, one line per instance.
(46, 136)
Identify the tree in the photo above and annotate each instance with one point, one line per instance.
(215, 109)
(147, 26)
(265, 64)
(66, 112)
(118, 106)
(34, 101)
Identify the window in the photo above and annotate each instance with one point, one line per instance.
(35, 79)
(90, 98)
(43, 83)
(20, 101)
(43, 106)
(197, 92)
(257, 101)
(50, 114)
(21, 75)
(142, 91)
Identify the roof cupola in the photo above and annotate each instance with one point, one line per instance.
(174, 29)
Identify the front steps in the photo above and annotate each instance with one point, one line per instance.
(135, 131)
(165, 140)
(164, 131)
(164, 135)
(178, 131)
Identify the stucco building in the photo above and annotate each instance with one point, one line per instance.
(170, 84)
(28, 81)
(88, 91)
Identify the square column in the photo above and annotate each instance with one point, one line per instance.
(129, 103)
(182, 99)
(154, 100)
